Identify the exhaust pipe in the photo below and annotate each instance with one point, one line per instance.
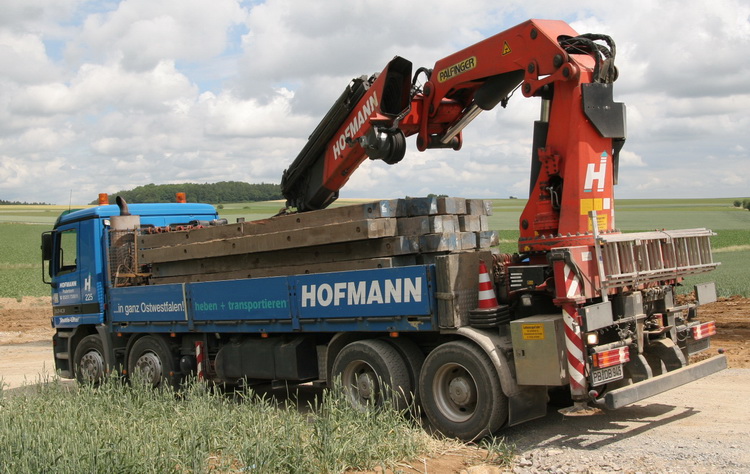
(123, 205)
(125, 221)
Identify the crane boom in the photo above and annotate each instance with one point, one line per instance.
(576, 141)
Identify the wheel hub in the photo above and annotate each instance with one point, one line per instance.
(460, 391)
(92, 366)
(455, 392)
(365, 386)
(149, 368)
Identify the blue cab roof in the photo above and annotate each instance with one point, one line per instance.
(193, 210)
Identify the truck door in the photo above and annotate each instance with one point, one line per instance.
(74, 289)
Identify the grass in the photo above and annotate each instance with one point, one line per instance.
(499, 451)
(119, 428)
(20, 260)
(731, 277)
(31, 214)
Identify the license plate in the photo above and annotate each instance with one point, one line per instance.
(607, 374)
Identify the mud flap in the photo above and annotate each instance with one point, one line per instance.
(648, 388)
(529, 403)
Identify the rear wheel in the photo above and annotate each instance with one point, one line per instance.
(88, 361)
(460, 391)
(413, 357)
(151, 363)
(372, 371)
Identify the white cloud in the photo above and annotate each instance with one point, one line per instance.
(226, 115)
(23, 58)
(141, 33)
(102, 96)
(628, 158)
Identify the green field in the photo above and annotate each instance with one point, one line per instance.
(20, 227)
(126, 428)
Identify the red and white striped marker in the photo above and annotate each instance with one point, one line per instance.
(199, 358)
(487, 299)
(574, 346)
(572, 285)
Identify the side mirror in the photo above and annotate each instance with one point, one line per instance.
(47, 245)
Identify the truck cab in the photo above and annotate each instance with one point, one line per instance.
(76, 268)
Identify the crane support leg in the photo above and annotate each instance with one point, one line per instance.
(576, 353)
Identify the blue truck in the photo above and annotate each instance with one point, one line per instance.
(423, 308)
(416, 333)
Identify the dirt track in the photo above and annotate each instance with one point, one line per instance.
(700, 427)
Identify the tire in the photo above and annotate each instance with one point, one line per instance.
(372, 371)
(413, 358)
(88, 361)
(151, 363)
(460, 392)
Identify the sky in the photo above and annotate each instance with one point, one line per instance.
(105, 95)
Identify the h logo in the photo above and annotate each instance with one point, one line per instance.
(593, 174)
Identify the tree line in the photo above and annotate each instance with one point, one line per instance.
(212, 193)
(3, 202)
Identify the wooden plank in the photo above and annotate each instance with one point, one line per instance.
(359, 250)
(324, 234)
(467, 240)
(439, 243)
(487, 239)
(470, 223)
(457, 285)
(479, 207)
(427, 225)
(358, 212)
(365, 264)
(451, 205)
(169, 239)
(426, 206)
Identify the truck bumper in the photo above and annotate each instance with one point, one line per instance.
(648, 388)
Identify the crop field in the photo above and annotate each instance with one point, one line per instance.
(55, 428)
(20, 227)
(20, 260)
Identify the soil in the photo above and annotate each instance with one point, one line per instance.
(27, 320)
(700, 427)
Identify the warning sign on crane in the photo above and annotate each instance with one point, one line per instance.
(506, 48)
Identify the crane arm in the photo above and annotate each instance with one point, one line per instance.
(576, 141)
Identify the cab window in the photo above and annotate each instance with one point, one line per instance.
(67, 255)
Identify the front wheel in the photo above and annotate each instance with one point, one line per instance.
(88, 361)
(460, 391)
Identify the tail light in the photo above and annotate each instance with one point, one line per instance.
(704, 330)
(611, 357)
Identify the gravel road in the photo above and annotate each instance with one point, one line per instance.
(700, 427)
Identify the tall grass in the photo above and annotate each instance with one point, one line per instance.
(119, 428)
